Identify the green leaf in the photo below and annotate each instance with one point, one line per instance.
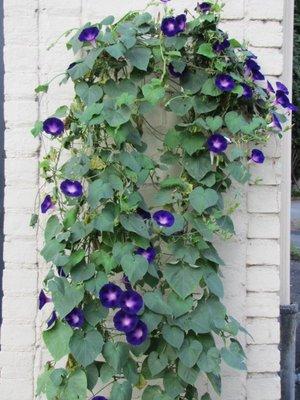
(66, 301)
(157, 362)
(117, 50)
(206, 50)
(183, 279)
(88, 94)
(92, 375)
(121, 391)
(173, 139)
(94, 312)
(210, 89)
(153, 91)
(212, 255)
(151, 319)
(214, 123)
(86, 346)
(130, 370)
(202, 199)
(42, 88)
(178, 305)
(210, 361)
(172, 385)
(102, 258)
(83, 272)
(139, 57)
(238, 171)
(215, 381)
(76, 386)
(173, 335)
(105, 221)
(98, 190)
(181, 105)
(190, 352)
(234, 121)
(192, 82)
(213, 281)
(197, 167)
(203, 105)
(134, 223)
(108, 20)
(154, 301)
(151, 392)
(234, 356)
(37, 129)
(188, 375)
(134, 266)
(33, 220)
(116, 355)
(57, 340)
(192, 142)
(115, 116)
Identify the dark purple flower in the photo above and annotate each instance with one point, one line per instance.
(43, 299)
(125, 322)
(99, 398)
(165, 1)
(253, 69)
(131, 302)
(217, 143)
(181, 22)
(164, 218)
(88, 34)
(257, 156)
(204, 7)
(126, 282)
(173, 72)
(149, 253)
(46, 204)
(225, 83)
(54, 126)
(138, 335)
(283, 100)
(270, 87)
(248, 92)
(142, 213)
(71, 188)
(276, 122)
(110, 295)
(282, 87)
(52, 319)
(221, 46)
(75, 318)
(71, 65)
(169, 26)
(61, 272)
(258, 76)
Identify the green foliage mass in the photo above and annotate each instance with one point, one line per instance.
(120, 82)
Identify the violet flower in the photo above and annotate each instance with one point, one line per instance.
(131, 302)
(217, 143)
(181, 22)
(248, 92)
(165, 1)
(169, 26)
(283, 100)
(43, 299)
(253, 69)
(54, 126)
(257, 156)
(71, 188)
(142, 213)
(89, 34)
(225, 83)
(110, 295)
(75, 318)
(173, 72)
(126, 282)
(61, 272)
(125, 322)
(46, 204)
(149, 253)
(99, 398)
(203, 7)
(164, 218)
(52, 319)
(282, 87)
(270, 87)
(276, 122)
(221, 46)
(138, 335)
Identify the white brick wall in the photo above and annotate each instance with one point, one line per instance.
(251, 277)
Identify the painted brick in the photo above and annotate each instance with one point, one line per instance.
(25, 33)
(19, 281)
(12, 201)
(264, 226)
(263, 330)
(17, 337)
(264, 34)
(263, 358)
(17, 388)
(20, 113)
(263, 199)
(267, 9)
(23, 64)
(268, 174)
(19, 309)
(262, 305)
(263, 251)
(19, 142)
(16, 364)
(233, 9)
(21, 173)
(271, 60)
(263, 279)
(13, 89)
(262, 387)
(20, 250)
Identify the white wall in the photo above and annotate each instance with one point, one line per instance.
(251, 277)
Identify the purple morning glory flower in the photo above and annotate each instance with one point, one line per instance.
(221, 46)
(258, 76)
(283, 100)
(181, 22)
(54, 126)
(46, 204)
(276, 122)
(248, 92)
(61, 272)
(52, 319)
(173, 72)
(217, 143)
(71, 188)
(110, 295)
(75, 318)
(138, 335)
(43, 299)
(149, 253)
(254, 69)
(88, 34)
(270, 87)
(125, 322)
(204, 7)
(142, 213)
(225, 83)
(282, 87)
(99, 398)
(126, 282)
(257, 156)
(131, 302)
(164, 218)
(169, 26)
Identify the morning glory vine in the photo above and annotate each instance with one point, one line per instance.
(134, 290)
